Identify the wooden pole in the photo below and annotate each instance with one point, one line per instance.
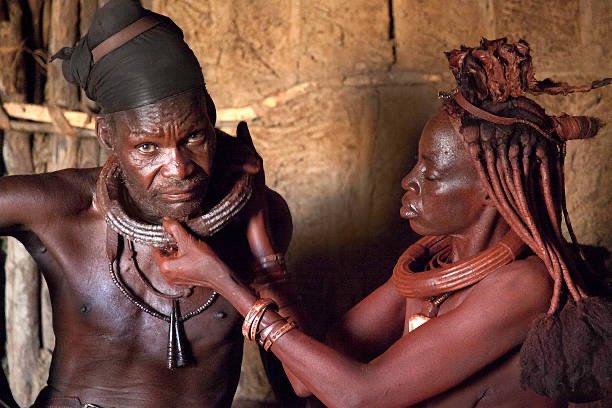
(89, 149)
(22, 277)
(64, 31)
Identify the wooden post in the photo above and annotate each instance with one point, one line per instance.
(89, 150)
(63, 32)
(22, 277)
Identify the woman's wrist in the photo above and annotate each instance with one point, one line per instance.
(236, 292)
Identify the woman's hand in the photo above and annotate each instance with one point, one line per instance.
(192, 262)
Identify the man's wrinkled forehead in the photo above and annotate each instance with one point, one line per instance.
(185, 109)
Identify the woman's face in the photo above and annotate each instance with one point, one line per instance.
(444, 194)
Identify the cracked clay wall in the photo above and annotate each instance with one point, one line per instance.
(336, 93)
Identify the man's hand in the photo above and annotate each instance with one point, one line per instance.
(250, 166)
(236, 155)
(192, 262)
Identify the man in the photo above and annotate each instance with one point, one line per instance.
(447, 329)
(124, 337)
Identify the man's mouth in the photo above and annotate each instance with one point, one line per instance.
(181, 194)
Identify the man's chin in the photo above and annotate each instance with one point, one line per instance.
(182, 211)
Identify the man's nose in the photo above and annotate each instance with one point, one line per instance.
(178, 165)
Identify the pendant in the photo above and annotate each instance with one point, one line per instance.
(416, 320)
(178, 348)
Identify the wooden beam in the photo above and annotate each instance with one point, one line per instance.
(26, 128)
(40, 113)
(32, 118)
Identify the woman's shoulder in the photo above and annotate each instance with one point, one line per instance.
(525, 280)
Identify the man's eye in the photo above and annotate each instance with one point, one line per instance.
(147, 148)
(195, 138)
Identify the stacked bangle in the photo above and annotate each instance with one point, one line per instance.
(271, 339)
(267, 261)
(273, 266)
(270, 334)
(271, 327)
(254, 316)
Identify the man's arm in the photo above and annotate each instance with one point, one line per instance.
(269, 233)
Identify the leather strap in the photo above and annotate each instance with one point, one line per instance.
(489, 117)
(121, 37)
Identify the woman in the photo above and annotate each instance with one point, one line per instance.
(447, 328)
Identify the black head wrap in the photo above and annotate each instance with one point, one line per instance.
(153, 65)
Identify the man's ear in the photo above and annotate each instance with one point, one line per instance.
(104, 132)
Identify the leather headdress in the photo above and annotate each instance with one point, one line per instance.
(132, 57)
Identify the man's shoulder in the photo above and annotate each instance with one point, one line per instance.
(63, 192)
(66, 183)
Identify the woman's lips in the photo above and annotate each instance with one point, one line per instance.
(408, 210)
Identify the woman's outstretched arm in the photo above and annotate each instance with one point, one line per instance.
(491, 320)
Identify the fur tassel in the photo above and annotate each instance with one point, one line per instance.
(542, 357)
(569, 355)
(587, 345)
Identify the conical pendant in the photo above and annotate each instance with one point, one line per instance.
(182, 347)
(172, 339)
(178, 348)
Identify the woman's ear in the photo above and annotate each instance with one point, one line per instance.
(488, 201)
(104, 132)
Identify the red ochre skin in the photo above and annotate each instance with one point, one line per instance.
(108, 352)
(465, 357)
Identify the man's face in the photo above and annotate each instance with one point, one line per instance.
(165, 151)
(444, 194)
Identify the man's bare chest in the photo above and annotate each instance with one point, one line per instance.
(123, 304)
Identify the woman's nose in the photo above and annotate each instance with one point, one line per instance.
(409, 182)
(178, 166)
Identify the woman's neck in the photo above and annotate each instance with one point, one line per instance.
(488, 230)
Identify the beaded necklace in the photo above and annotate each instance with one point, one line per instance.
(178, 349)
(442, 279)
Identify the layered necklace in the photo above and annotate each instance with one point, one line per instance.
(438, 279)
(122, 226)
